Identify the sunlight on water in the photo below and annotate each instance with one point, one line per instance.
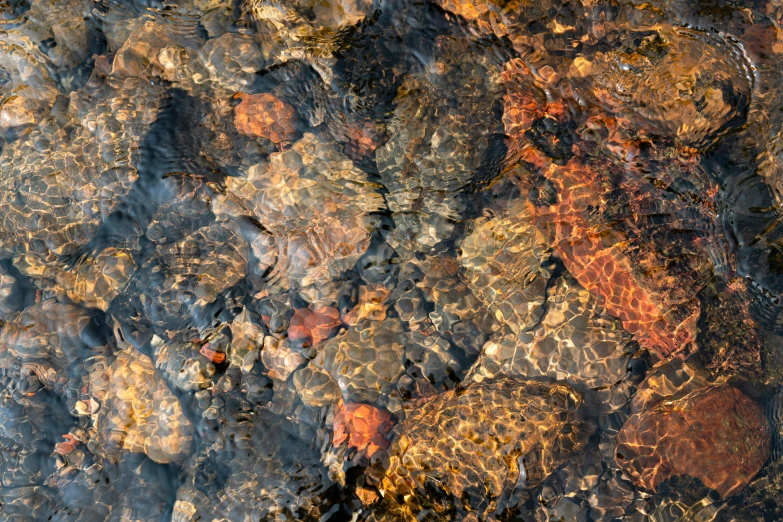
(391, 260)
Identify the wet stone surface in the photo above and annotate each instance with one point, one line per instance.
(350, 260)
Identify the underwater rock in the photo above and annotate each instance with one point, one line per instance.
(312, 243)
(247, 339)
(310, 327)
(265, 116)
(635, 224)
(682, 83)
(372, 303)
(609, 225)
(62, 182)
(233, 60)
(316, 387)
(760, 501)
(575, 342)
(363, 426)
(279, 358)
(50, 338)
(389, 260)
(16, 292)
(32, 420)
(366, 360)
(304, 20)
(261, 468)
(179, 282)
(434, 151)
(442, 310)
(89, 487)
(27, 91)
(181, 364)
(95, 284)
(718, 435)
(468, 449)
(139, 413)
(504, 261)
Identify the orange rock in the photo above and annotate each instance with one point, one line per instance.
(212, 355)
(266, 116)
(639, 246)
(363, 426)
(367, 496)
(311, 327)
(595, 256)
(717, 435)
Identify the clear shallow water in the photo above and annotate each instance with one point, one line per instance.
(390, 261)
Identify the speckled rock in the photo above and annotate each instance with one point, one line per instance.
(466, 450)
(576, 342)
(504, 261)
(139, 413)
(312, 243)
(265, 116)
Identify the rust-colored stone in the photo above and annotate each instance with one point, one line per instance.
(718, 435)
(367, 496)
(643, 247)
(266, 116)
(363, 426)
(311, 327)
(595, 256)
(213, 355)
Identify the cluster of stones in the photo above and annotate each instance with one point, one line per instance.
(452, 278)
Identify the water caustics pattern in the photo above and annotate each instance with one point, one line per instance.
(391, 260)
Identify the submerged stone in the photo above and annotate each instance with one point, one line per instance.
(718, 435)
(466, 451)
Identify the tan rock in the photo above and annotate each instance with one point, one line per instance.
(140, 414)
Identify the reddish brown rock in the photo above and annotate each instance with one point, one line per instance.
(717, 435)
(600, 241)
(213, 355)
(70, 444)
(311, 327)
(363, 426)
(651, 309)
(266, 116)
(642, 245)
